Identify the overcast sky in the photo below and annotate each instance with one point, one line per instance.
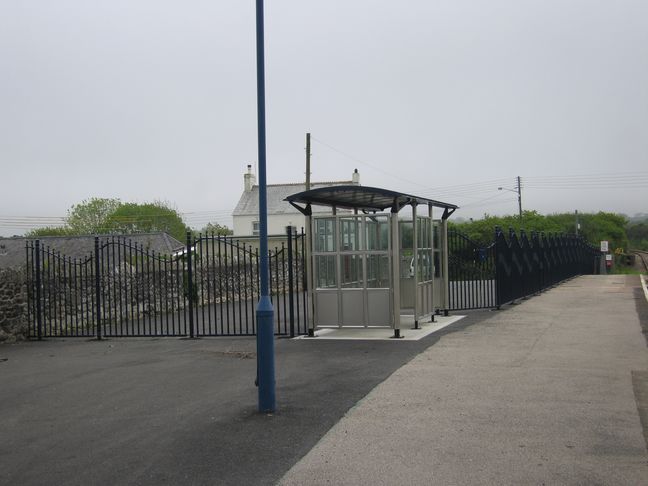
(156, 100)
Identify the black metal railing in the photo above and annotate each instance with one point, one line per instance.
(471, 273)
(493, 274)
(211, 286)
(527, 266)
(208, 288)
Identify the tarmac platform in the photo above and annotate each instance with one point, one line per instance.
(550, 391)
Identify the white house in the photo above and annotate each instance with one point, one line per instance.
(280, 212)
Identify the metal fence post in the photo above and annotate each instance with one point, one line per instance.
(97, 286)
(39, 311)
(190, 286)
(498, 272)
(291, 286)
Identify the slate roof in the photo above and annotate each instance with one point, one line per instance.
(13, 254)
(248, 205)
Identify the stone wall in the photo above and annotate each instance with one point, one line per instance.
(131, 292)
(13, 305)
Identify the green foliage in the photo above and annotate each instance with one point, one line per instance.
(593, 227)
(605, 226)
(91, 215)
(216, 229)
(623, 270)
(48, 231)
(638, 236)
(98, 216)
(144, 218)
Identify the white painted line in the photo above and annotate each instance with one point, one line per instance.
(384, 333)
(644, 285)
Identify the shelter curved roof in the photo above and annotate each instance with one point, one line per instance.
(363, 198)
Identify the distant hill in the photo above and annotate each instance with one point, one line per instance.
(638, 218)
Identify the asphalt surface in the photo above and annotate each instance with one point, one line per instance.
(175, 411)
(551, 391)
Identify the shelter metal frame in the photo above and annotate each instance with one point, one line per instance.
(372, 200)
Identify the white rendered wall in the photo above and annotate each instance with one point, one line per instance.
(276, 223)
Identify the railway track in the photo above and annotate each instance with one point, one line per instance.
(642, 256)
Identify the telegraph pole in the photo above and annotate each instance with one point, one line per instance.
(308, 156)
(264, 311)
(519, 191)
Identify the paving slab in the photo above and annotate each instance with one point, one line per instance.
(408, 331)
(540, 393)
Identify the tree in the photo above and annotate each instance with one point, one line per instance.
(49, 231)
(91, 215)
(638, 235)
(99, 216)
(216, 229)
(594, 227)
(605, 226)
(145, 218)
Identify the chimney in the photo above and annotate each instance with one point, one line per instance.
(249, 179)
(355, 178)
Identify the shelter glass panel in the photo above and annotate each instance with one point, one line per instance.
(436, 232)
(351, 271)
(424, 248)
(350, 233)
(423, 230)
(324, 234)
(406, 232)
(325, 271)
(424, 265)
(377, 231)
(378, 271)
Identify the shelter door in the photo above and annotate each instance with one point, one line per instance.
(352, 268)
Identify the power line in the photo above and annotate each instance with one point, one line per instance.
(471, 190)
(356, 159)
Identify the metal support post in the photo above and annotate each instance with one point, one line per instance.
(443, 233)
(97, 254)
(310, 280)
(291, 284)
(415, 231)
(431, 216)
(264, 311)
(190, 289)
(395, 245)
(39, 306)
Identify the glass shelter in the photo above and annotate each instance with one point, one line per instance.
(367, 268)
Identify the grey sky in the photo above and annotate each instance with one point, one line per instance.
(146, 100)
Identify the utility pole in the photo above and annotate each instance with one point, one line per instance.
(519, 191)
(308, 156)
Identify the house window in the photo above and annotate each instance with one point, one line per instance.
(255, 228)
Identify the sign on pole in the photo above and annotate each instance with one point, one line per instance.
(604, 246)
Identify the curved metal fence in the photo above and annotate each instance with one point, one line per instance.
(491, 275)
(208, 288)
(211, 286)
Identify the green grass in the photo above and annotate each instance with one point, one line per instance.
(618, 270)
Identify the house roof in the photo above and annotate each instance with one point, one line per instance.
(13, 253)
(248, 205)
(364, 198)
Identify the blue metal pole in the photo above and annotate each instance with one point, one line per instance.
(264, 312)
